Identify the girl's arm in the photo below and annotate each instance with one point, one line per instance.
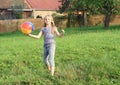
(59, 34)
(36, 36)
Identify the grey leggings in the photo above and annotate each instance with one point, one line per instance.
(49, 54)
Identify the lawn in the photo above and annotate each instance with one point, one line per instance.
(84, 56)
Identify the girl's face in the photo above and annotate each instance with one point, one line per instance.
(48, 20)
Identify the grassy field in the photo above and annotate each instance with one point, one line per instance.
(84, 56)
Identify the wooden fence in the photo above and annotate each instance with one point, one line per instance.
(14, 25)
(99, 19)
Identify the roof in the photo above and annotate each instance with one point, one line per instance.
(4, 4)
(44, 4)
(33, 4)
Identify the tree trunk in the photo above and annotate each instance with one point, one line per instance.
(84, 18)
(107, 20)
(78, 18)
(68, 22)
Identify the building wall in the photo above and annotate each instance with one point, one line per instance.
(27, 14)
(42, 13)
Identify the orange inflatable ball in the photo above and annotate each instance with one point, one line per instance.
(27, 27)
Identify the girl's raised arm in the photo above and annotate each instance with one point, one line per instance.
(36, 36)
(57, 33)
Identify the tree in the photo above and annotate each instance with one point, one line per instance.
(84, 6)
(17, 8)
(108, 7)
(76, 6)
(65, 8)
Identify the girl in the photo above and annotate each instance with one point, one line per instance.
(49, 31)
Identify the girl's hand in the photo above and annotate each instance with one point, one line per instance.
(63, 32)
(25, 34)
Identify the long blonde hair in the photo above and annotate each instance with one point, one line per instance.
(52, 23)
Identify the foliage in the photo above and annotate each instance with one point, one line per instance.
(106, 7)
(84, 56)
(17, 8)
(65, 5)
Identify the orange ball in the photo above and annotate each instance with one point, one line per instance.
(27, 27)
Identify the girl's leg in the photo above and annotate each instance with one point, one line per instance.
(51, 58)
(52, 70)
(45, 58)
(48, 67)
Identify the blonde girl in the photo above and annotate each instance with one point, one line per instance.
(49, 31)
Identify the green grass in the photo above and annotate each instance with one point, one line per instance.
(84, 56)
